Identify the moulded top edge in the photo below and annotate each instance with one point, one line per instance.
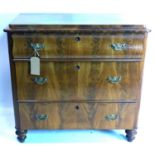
(71, 28)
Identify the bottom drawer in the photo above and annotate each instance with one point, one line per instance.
(78, 116)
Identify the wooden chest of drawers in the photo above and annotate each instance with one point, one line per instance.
(90, 75)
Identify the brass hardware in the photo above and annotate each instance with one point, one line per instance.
(35, 60)
(36, 48)
(111, 117)
(40, 80)
(119, 46)
(114, 79)
(41, 117)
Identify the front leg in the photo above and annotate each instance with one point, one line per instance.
(21, 135)
(130, 134)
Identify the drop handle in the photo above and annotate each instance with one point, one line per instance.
(119, 46)
(114, 79)
(111, 117)
(37, 47)
(41, 117)
(40, 80)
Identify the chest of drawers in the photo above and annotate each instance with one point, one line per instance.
(90, 75)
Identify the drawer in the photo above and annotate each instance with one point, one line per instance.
(107, 45)
(78, 116)
(82, 81)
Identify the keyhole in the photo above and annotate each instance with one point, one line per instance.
(77, 107)
(77, 67)
(77, 38)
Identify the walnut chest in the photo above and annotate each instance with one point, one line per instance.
(75, 72)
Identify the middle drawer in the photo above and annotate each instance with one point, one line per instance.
(82, 81)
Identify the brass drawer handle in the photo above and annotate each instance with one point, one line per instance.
(40, 80)
(111, 117)
(114, 79)
(119, 46)
(41, 117)
(36, 48)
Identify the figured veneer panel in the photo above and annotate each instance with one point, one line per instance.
(79, 45)
(91, 72)
(78, 115)
(80, 81)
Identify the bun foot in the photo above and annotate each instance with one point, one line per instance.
(130, 135)
(21, 135)
(21, 139)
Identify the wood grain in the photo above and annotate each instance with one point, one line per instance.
(86, 116)
(88, 44)
(77, 61)
(66, 82)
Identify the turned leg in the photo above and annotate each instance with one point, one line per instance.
(130, 134)
(21, 135)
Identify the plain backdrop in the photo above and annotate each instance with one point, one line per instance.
(87, 141)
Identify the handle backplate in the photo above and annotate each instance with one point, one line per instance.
(114, 79)
(111, 117)
(41, 117)
(119, 46)
(40, 80)
(37, 47)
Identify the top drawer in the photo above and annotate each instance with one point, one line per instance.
(107, 45)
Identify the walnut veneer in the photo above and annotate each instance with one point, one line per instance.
(90, 75)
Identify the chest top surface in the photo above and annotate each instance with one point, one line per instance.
(42, 22)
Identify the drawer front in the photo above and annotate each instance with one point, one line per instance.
(78, 116)
(108, 45)
(82, 81)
